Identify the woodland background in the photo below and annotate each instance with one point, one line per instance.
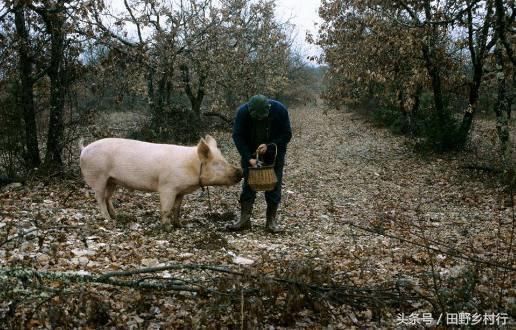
(399, 192)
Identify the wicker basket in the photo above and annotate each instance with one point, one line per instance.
(263, 178)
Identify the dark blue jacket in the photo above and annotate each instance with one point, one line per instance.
(280, 132)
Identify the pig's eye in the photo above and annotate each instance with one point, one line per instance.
(220, 165)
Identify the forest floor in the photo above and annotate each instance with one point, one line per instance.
(377, 236)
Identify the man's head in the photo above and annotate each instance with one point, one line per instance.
(259, 107)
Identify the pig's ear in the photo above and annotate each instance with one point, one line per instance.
(203, 150)
(211, 141)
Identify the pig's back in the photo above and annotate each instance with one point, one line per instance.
(121, 150)
(131, 163)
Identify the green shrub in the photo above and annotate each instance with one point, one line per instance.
(393, 119)
(439, 134)
(435, 133)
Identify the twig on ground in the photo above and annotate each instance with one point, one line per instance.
(449, 253)
(341, 294)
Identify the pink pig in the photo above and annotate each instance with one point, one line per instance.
(171, 170)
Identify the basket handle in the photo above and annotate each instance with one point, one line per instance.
(275, 154)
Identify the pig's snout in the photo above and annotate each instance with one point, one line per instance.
(239, 174)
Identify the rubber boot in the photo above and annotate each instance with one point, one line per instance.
(272, 223)
(245, 218)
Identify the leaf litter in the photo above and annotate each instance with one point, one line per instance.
(342, 174)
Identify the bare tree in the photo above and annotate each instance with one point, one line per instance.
(27, 80)
(479, 44)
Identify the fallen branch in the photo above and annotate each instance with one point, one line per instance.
(18, 236)
(71, 277)
(169, 267)
(23, 234)
(351, 295)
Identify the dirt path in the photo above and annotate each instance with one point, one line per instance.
(344, 170)
(340, 170)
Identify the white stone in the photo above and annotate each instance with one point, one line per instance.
(149, 262)
(43, 259)
(186, 255)
(83, 252)
(83, 260)
(242, 261)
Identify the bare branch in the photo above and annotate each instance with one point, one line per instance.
(411, 12)
(417, 21)
(4, 14)
(105, 29)
(168, 267)
(135, 21)
(218, 115)
(452, 253)
(341, 294)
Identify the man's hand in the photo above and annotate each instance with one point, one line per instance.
(252, 162)
(262, 149)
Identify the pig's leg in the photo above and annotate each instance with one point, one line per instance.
(100, 196)
(98, 182)
(177, 211)
(167, 200)
(110, 188)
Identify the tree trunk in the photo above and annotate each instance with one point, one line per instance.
(500, 26)
(195, 98)
(150, 88)
(480, 37)
(56, 74)
(432, 66)
(26, 101)
(511, 95)
(161, 96)
(414, 111)
(502, 111)
(467, 119)
(196, 107)
(435, 75)
(197, 103)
